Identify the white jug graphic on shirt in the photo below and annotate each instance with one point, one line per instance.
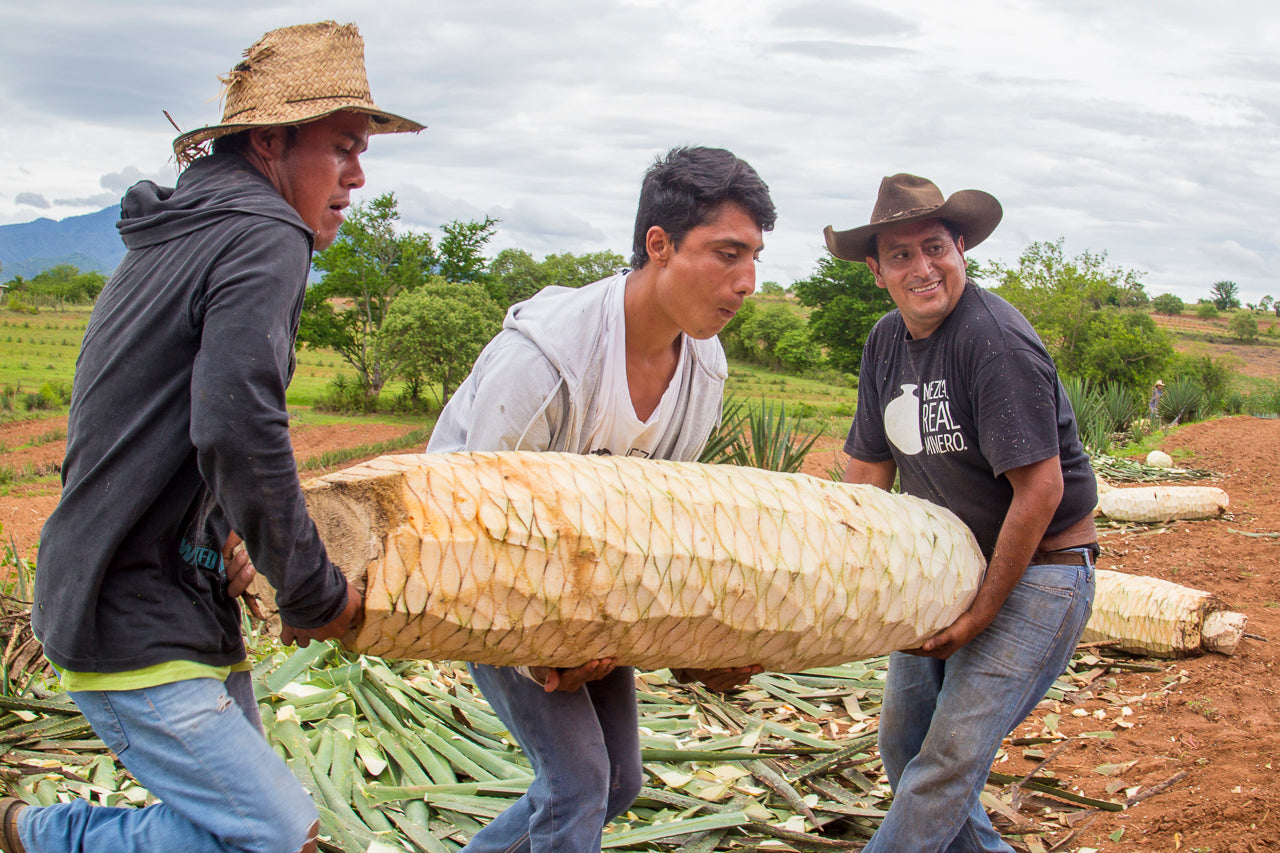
(902, 421)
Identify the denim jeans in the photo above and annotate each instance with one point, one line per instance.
(585, 751)
(943, 720)
(198, 746)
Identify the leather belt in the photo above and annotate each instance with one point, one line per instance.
(1065, 557)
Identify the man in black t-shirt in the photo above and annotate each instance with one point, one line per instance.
(958, 396)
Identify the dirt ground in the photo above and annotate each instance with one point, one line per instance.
(1209, 724)
(30, 443)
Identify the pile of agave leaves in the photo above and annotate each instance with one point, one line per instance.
(407, 756)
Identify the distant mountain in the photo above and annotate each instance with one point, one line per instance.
(89, 242)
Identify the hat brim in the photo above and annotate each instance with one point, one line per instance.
(973, 212)
(186, 147)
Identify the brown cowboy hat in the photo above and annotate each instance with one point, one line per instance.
(907, 198)
(291, 76)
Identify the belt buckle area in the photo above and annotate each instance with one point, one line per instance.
(1059, 558)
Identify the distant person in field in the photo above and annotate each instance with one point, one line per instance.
(1154, 406)
(958, 397)
(178, 436)
(628, 366)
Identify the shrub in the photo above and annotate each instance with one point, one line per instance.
(1120, 405)
(1183, 400)
(35, 402)
(58, 393)
(1206, 311)
(797, 353)
(1243, 327)
(1214, 375)
(765, 438)
(346, 396)
(1167, 303)
(1265, 402)
(1092, 421)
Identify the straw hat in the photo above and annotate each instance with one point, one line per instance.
(294, 75)
(907, 198)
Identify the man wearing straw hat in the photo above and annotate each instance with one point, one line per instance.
(959, 398)
(178, 435)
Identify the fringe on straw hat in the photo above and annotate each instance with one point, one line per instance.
(291, 76)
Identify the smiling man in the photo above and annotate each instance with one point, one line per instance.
(628, 366)
(179, 435)
(959, 397)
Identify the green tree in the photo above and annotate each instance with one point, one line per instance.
(1214, 376)
(761, 332)
(846, 303)
(461, 255)
(59, 285)
(569, 270)
(1226, 295)
(433, 334)
(1265, 304)
(1058, 294)
(1120, 346)
(1243, 327)
(772, 288)
(731, 335)
(1167, 303)
(514, 276)
(1087, 312)
(797, 353)
(367, 267)
(1206, 310)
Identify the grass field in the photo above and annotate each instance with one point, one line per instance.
(823, 408)
(38, 350)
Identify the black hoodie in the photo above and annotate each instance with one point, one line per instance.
(179, 433)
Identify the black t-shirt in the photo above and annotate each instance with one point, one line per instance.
(959, 408)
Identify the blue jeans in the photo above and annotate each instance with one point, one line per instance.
(585, 751)
(197, 745)
(943, 720)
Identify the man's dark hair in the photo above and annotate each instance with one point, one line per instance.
(951, 227)
(683, 189)
(238, 142)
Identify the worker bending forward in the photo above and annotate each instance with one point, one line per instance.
(628, 366)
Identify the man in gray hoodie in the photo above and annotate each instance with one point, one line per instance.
(178, 436)
(629, 365)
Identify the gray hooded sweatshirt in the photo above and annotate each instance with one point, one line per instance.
(531, 387)
(178, 433)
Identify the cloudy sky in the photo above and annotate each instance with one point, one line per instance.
(1141, 129)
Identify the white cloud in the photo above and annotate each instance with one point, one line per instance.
(32, 200)
(118, 182)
